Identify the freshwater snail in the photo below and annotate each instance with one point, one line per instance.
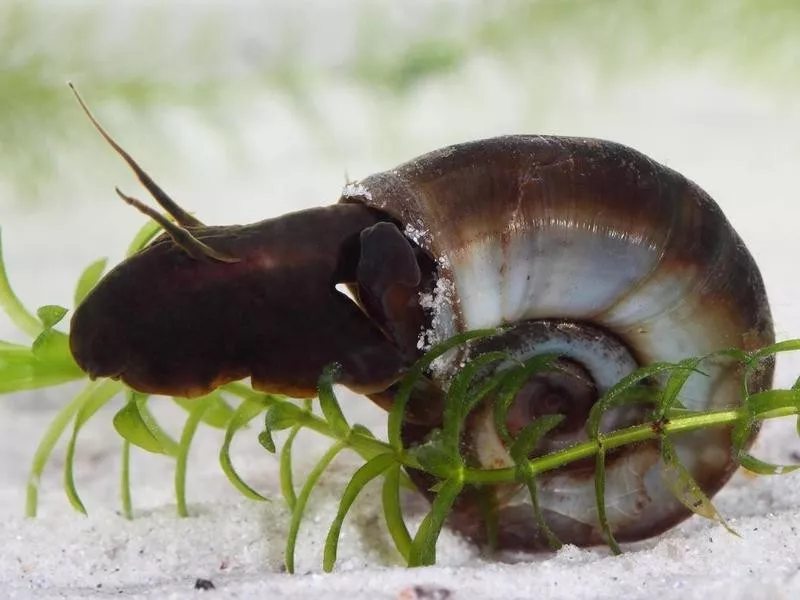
(582, 247)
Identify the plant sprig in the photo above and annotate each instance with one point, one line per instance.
(231, 408)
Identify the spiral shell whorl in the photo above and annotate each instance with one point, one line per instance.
(532, 228)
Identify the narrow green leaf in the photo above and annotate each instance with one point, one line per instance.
(397, 412)
(196, 414)
(520, 450)
(9, 348)
(21, 369)
(488, 510)
(266, 441)
(742, 431)
(680, 482)
(88, 279)
(756, 465)
(330, 405)
(759, 406)
(675, 383)
(621, 394)
(368, 471)
(762, 403)
(392, 511)
(93, 398)
(54, 431)
(362, 430)
(487, 386)
(50, 315)
(437, 457)
(423, 547)
(247, 411)
(146, 233)
(12, 306)
(796, 387)
(512, 382)
(530, 436)
(125, 481)
(286, 469)
(454, 413)
(302, 500)
(217, 413)
(600, 498)
(135, 423)
(50, 345)
(244, 392)
(278, 417)
(777, 348)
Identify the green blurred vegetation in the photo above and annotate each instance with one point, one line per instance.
(43, 44)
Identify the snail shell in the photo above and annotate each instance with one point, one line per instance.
(594, 251)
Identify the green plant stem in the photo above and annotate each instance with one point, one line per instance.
(368, 446)
(623, 437)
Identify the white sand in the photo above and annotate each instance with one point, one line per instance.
(739, 143)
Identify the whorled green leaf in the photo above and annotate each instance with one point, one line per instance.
(455, 413)
(134, 423)
(522, 447)
(287, 470)
(600, 497)
(758, 406)
(776, 348)
(675, 382)
(437, 456)
(423, 546)
(49, 365)
(12, 306)
(756, 465)
(125, 481)
(392, 511)
(685, 489)
(624, 392)
(88, 279)
(330, 405)
(247, 411)
(302, 500)
(196, 414)
(217, 412)
(51, 315)
(51, 346)
(502, 379)
(397, 412)
(511, 381)
(54, 431)
(488, 508)
(796, 387)
(366, 473)
(92, 399)
(761, 404)
(144, 236)
(278, 417)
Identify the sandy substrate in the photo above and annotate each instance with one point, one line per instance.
(738, 143)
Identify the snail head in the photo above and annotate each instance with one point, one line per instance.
(205, 305)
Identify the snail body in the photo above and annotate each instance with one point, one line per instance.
(579, 247)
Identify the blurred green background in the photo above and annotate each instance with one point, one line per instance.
(143, 61)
